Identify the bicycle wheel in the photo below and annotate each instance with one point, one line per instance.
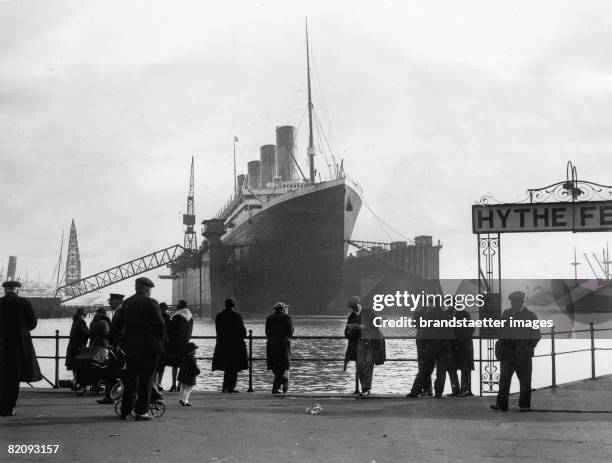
(117, 391)
(97, 388)
(79, 389)
(158, 409)
(118, 407)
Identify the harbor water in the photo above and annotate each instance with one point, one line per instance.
(327, 376)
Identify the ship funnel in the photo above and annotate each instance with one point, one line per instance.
(267, 169)
(286, 151)
(12, 268)
(253, 168)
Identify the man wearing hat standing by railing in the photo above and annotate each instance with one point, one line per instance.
(514, 351)
(279, 328)
(17, 356)
(230, 354)
(142, 325)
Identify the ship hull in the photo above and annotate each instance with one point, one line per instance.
(293, 252)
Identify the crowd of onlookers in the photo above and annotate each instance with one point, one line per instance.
(177, 353)
(144, 337)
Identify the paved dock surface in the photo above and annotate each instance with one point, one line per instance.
(570, 423)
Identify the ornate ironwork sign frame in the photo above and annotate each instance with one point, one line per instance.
(569, 205)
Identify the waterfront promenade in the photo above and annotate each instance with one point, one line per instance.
(570, 423)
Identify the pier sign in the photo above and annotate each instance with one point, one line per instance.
(584, 216)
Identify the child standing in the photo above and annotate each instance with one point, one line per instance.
(187, 374)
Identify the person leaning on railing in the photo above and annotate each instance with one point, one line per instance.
(370, 343)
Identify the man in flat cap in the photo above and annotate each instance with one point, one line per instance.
(18, 361)
(279, 329)
(515, 350)
(143, 329)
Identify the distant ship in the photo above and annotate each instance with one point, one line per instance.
(590, 296)
(29, 288)
(42, 294)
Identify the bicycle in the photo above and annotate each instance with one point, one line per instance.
(157, 409)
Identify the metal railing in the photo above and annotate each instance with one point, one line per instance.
(553, 354)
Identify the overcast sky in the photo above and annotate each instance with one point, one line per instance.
(430, 104)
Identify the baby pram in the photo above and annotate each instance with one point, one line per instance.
(92, 368)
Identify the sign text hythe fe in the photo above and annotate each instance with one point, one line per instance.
(512, 218)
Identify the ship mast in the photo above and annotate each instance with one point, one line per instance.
(575, 264)
(607, 261)
(311, 150)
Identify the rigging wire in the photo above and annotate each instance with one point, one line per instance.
(321, 132)
(381, 221)
(323, 152)
(318, 89)
(322, 148)
(318, 122)
(378, 220)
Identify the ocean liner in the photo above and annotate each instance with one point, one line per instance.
(286, 240)
(283, 234)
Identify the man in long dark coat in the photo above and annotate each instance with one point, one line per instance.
(516, 350)
(422, 342)
(436, 353)
(464, 351)
(370, 350)
(18, 361)
(230, 350)
(142, 325)
(448, 361)
(279, 328)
